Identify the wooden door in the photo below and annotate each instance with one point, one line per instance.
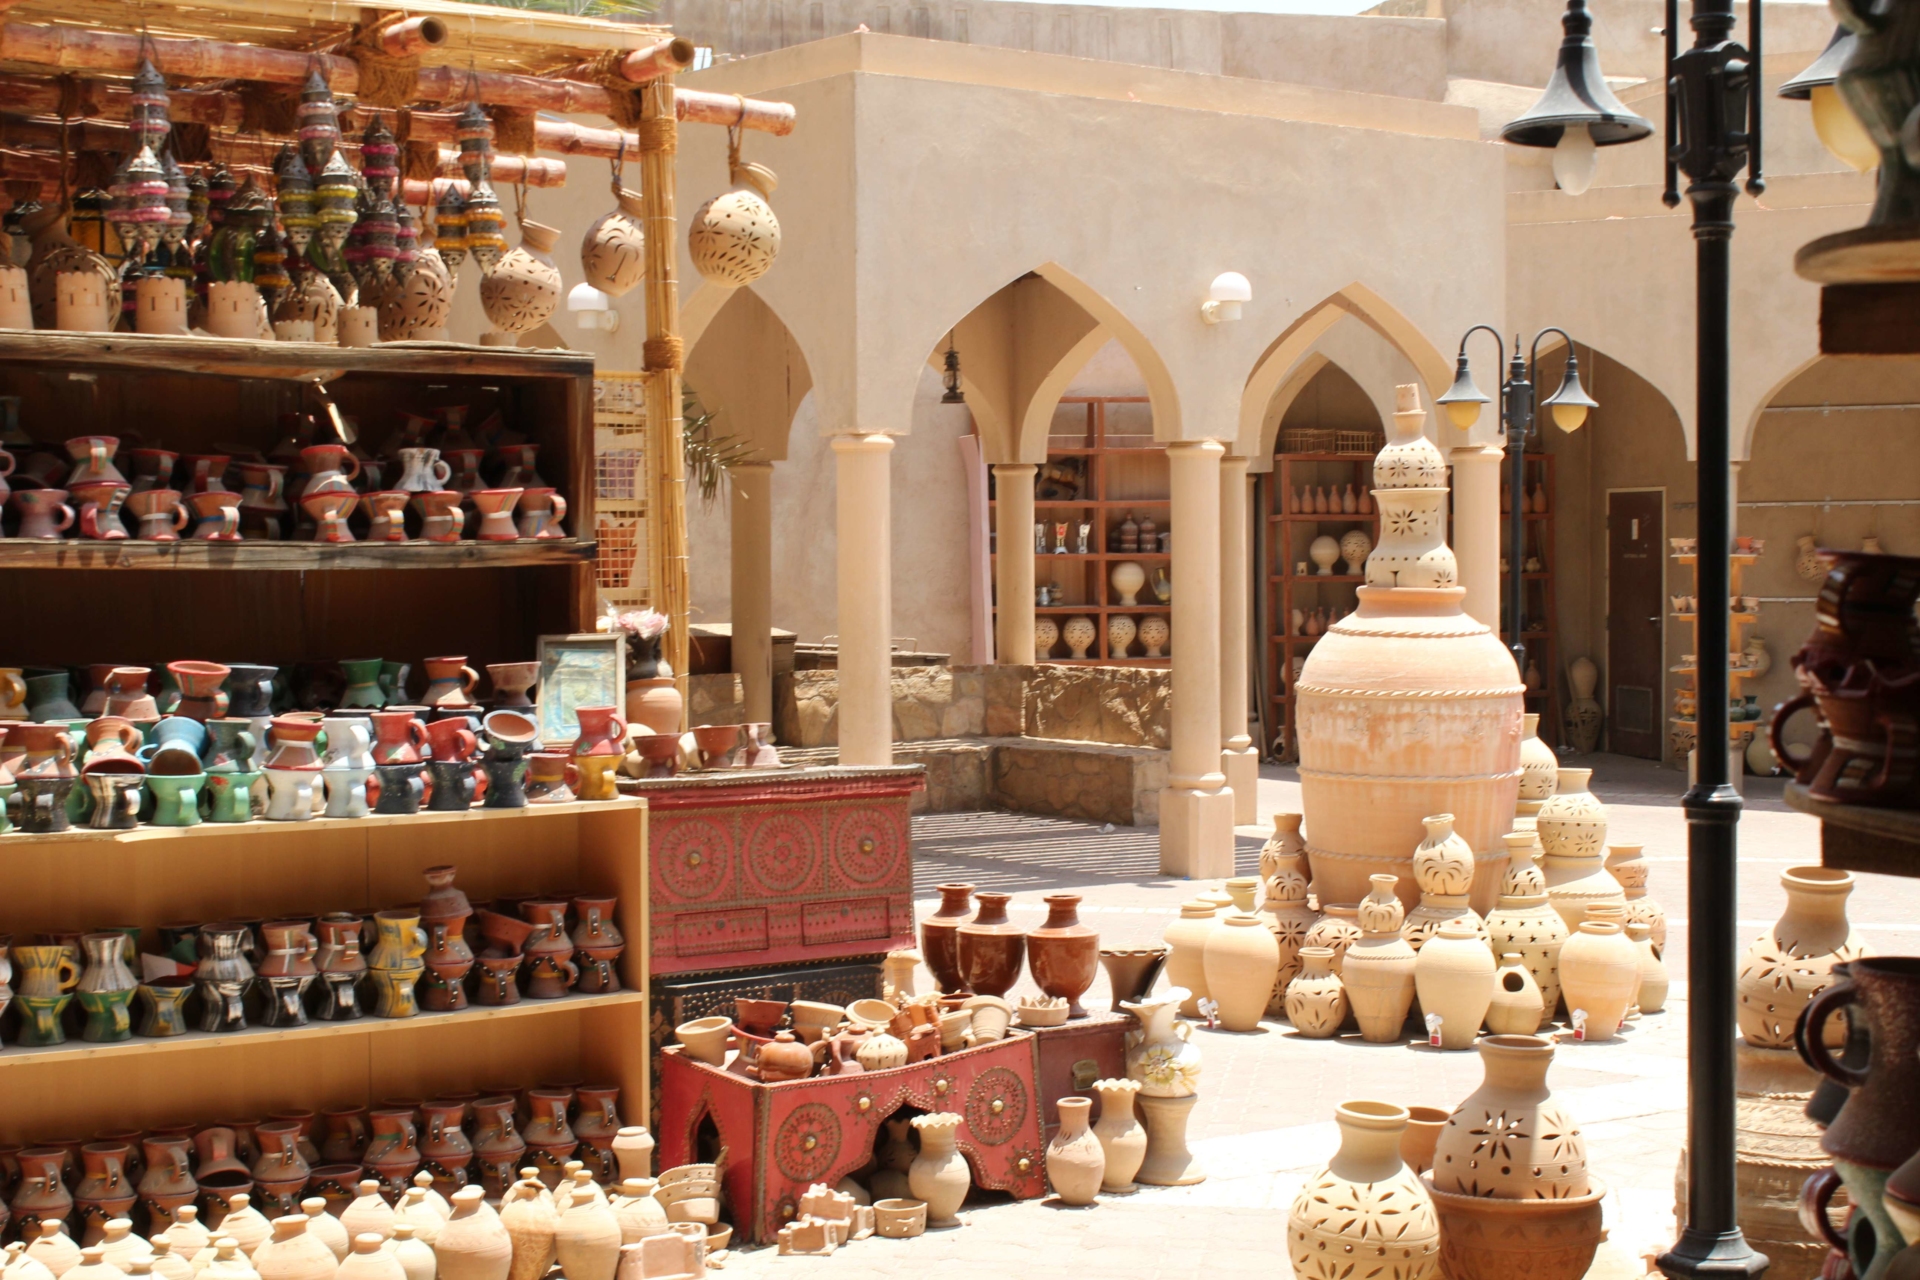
(1636, 603)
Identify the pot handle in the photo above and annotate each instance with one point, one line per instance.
(417, 731)
(479, 783)
(1811, 1039)
(66, 973)
(180, 516)
(468, 679)
(1816, 1194)
(442, 471)
(129, 736)
(1901, 731)
(7, 463)
(1781, 714)
(66, 518)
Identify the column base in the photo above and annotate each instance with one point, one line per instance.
(1243, 778)
(1196, 833)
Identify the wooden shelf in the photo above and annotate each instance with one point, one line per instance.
(1331, 517)
(37, 553)
(1738, 557)
(1857, 837)
(293, 361)
(16, 841)
(18, 1057)
(1359, 578)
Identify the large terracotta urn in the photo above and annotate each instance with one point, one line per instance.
(1366, 1212)
(1407, 707)
(939, 937)
(1792, 962)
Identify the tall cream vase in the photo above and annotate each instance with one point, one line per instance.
(1378, 973)
(1526, 923)
(1443, 865)
(1241, 959)
(1186, 939)
(1366, 1204)
(1573, 831)
(1120, 1134)
(1600, 975)
(1076, 1160)
(1407, 707)
(1792, 962)
(1453, 977)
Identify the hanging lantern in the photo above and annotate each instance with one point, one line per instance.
(144, 220)
(450, 229)
(88, 224)
(337, 191)
(406, 242)
(735, 237)
(379, 158)
(319, 123)
(199, 206)
(270, 260)
(230, 257)
(120, 200)
(299, 206)
(380, 229)
(151, 117)
(613, 254)
(179, 196)
(475, 134)
(220, 189)
(485, 225)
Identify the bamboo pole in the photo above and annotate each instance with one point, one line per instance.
(662, 58)
(667, 515)
(414, 35)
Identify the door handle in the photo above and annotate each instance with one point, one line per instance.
(1655, 620)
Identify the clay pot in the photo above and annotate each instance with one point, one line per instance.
(1316, 1001)
(1526, 923)
(1510, 1138)
(279, 1173)
(613, 252)
(633, 1149)
(784, 1058)
(637, 1212)
(1337, 929)
(1539, 774)
(1877, 1128)
(1516, 1008)
(166, 1186)
(1792, 962)
(989, 948)
(1486, 1238)
(1626, 864)
(1365, 1203)
(497, 1145)
(1379, 968)
(473, 1245)
(104, 1192)
(1186, 940)
(1599, 973)
(1453, 978)
(1417, 1141)
(1654, 981)
(1240, 959)
(1132, 971)
(294, 1253)
(522, 291)
(939, 1174)
(444, 1148)
(938, 937)
(656, 704)
(734, 237)
(587, 1237)
(1076, 1159)
(1444, 866)
(1573, 831)
(548, 1135)
(393, 1149)
(1063, 954)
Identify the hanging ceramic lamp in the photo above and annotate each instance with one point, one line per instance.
(319, 123)
(735, 236)
(523, 291)
(613, 254)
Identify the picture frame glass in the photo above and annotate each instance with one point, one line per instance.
(577, 671)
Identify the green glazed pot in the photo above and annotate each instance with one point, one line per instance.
(363, 683)
(230, 796)
(109, 1016)
(176, 799)
(40, 1019)
(163, 1006)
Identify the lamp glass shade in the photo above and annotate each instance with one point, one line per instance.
(1574, 161)
(1571, 402)
(1840, 130)
(1464, 398)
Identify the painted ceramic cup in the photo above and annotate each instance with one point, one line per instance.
(496, 514)
(176, 800)
(109, 1015)
(541, 513)
(44, 513)
(230, 796)
(386, 515)
(441, 518)
(163, 1006)
(363, 683)
(216, 515)
(40, 1019)
(401, 788)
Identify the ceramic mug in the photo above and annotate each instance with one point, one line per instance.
(160, 513)
(44, 513)
(163, 1006)
(100, 503)
(541, 511)
(44, 969)
(176, 799)
(40, 1019)
(399, 788)
(115, 799)
(291, 794)
(387, 515)
(349, 743)
(348, 791)
(230, 796)
(109, 1015)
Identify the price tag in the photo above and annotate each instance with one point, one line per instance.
(1433, 1029)
(1579, 1020)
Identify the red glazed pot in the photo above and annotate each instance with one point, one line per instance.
(938, 941)
(991, 947)
(603, 732)
(399, 737)
(1063, 954)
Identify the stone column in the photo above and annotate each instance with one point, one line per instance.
(751, 509)
(1239, 760)
(1013, 570)
(864, 558)
(1196, 809)
(1476, 528)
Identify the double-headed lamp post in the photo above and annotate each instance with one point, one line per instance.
(1569, 406)
(1713, 136)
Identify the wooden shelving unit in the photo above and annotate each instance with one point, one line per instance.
(74, 604)
(1541, 620)
(1289, 534)
(1682, 728)
(1124, 471)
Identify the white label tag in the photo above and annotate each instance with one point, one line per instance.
(1433, 1029)
(1579, 1020)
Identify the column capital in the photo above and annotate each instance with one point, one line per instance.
(1014, 468)
(754, 464)
(1235, 462)
(1183, 447)
(877, 442)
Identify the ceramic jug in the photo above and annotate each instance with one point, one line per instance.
(263, 502)
(93, 460)
(495, 507)
(541, 514)
(249, 689)
(222, 978)
(100, 510)
(349, 743)
(216, 515)
(347, 791)
(44, 513)
(291, 743)
(114, 799)
(176, 799)
(160, 515)
(231, 745)
(399, 738)
(152, 469)
(363, 684)
(450, 682)
(386, 515)
(328, 468)
(291, 793)
(422, 471)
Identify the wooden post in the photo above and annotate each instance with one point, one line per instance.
(667, 510)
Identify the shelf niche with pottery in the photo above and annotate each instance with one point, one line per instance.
(1103, 537)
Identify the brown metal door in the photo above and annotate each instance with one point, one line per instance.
(1636, 602)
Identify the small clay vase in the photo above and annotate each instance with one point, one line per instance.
(990, 947)
(1076, 1159)
(1541, 1153)
(1316, 1001)
(1378, 969)
(938, 937)
(939, 1175)
(1063, 954)
(1599, 975)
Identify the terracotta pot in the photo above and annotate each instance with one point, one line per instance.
(1132, 971)
(1378, 973)
(1599, 973)
(1444, 867)
(1289, 918)
(473, 1245)
(1284, 850)
(587, 1238)
(1498, 1239)
(1186, 940)
(104, 1192)
(1516, 1008)
(294, 1253)
(656, 704)
(443, 1145)
(1526, 923)
(523, 290)
(1316, 1001)
(1240, 959)
(1539, 1152)
(393, 1149)
(167, 1185)
(938, 934)
(1421, 1134)
(1652, 997)
(279, 1173)
(1366, 1202)
(633, 1149)
(1573, 831)
(784, 1058)
(497, 1144)
(990, 947)
(613, 252)
(1337, 929)
(1453, 978)
(1076, 1159)
(1791, 963)
(1878, 1128)
(1064, 955)
(1539, 774)
(550, 967)
(547, 1133)
(939, 1174)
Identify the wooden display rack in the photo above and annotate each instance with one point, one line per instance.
(1739, 732)
(282, 603)
(1542, 619)
(1118, 478)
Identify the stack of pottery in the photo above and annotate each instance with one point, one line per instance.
(1407, 707)
(1573, 831)
(1288, 918)
(1164, 1061)
(1525, 923)
(1627, 864)
(1539, 774)
(1365, 1204)
(1444, 866)
(1509, 1179)
(1378, 974)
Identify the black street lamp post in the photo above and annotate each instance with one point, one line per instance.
(1569, 406)
(1713, 89)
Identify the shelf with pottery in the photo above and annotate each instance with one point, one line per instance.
(1855, 837)
(289, 361)
(1684, 731)
(16, 842)
(199, 553)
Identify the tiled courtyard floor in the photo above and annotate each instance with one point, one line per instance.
(1264, 1121)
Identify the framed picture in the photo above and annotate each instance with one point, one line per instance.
(578, 671)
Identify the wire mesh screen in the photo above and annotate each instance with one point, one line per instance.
(622, 480)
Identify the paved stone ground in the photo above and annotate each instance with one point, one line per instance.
(1264, 1121)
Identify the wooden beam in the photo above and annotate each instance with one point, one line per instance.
(667, 506)
(664, 58)
(759, 115)
(414, 35)
(45, 169)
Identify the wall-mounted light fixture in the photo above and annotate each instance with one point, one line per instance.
(1224, 296)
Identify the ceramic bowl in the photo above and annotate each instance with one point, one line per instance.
(718, 1237)
(813, 1019)
(991, 1015)
(953, 1029)
(898, 1219)
(706, 1039)
(1043, 1013)
(871, 1013)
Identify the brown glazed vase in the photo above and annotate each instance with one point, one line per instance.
(104, 1191)
(497, 1144)
(938, 940)
(1879, 1127)
(548, 1134)
(444, 1146)
(990, 947)
(393, 1150)
(596, 1122)
(1064, 954)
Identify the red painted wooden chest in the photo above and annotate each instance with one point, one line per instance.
(762, 868)
(781, 1138)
